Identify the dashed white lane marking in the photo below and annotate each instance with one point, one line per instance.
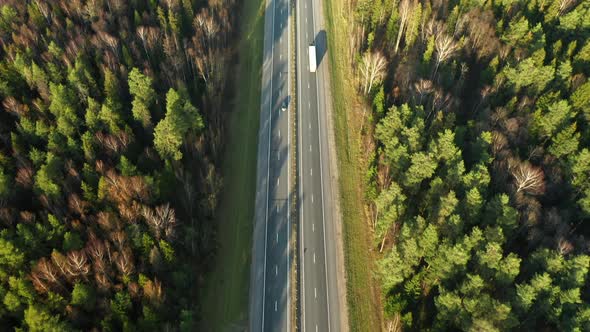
(279, 134)
(313, 228)
(275, 305)
(306, 6)
(308, 85)
(277, 208)
(308, 104)
(277, 237)
(307, 35)
(306, 20)
(280, 74)
(278, 181)
(280, 57)
(315, 292)
(312, 198)
(316, 328)
(314, 257)
(310, 148)
(311, 172)
(310, 125)
(276, 270)
(278, 157)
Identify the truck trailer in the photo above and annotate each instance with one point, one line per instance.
(312, 59)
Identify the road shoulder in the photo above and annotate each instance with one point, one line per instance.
(336, 220)
(362, 290)
(258, 265)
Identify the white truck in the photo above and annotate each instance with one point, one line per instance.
(312, 60)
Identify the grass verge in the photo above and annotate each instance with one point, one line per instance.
(225, 299)
(362, 289)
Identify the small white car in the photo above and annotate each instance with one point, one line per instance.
(284, 106)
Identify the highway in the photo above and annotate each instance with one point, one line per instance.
(269, 282)
(320, 307)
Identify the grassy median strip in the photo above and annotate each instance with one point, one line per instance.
(362, 291)
(225, 302)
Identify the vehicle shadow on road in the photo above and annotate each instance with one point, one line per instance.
(321, 45)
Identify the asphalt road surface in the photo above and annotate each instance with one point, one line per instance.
(319, 293)
(269, 285)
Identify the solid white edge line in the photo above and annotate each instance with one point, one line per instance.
(322, 184)
(288, 161)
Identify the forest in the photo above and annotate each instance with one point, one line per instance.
(111, 127)
(478, 190)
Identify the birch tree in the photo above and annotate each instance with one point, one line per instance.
(405, 10)
(445, 47)
(372, 68)
(528, 178)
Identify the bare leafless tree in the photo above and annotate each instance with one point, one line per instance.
(161, 220)
(153, 292)
(60, 262)
(102, 281)
(372, 68)
(394, 325)
(45, 276)
(95, 248)
(445, 47)
(528, 178)
(24, 176)
(124, 262)
(130, 212)
(77, 205)
(566, 5)
(11, 105)
(142, 33)
(124, 189)
(44, 9)
(405, 11)
(108, 221)
(119, 239)
(564, 246)
(481, 32)
(423, 87)
(78, 264)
